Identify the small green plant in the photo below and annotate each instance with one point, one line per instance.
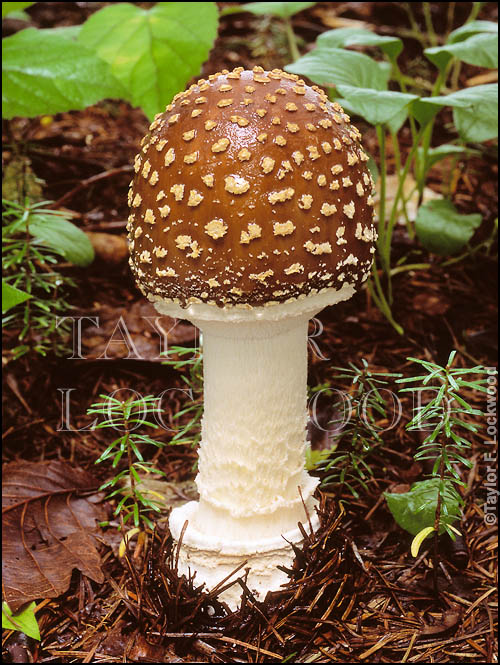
(355, 433)
(35, 239)
(189, 432)
(433, 505)
(126, 417)
(361, 84)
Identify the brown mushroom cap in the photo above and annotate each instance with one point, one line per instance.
(251, 188)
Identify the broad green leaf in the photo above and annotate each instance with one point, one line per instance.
(394, 123)
(24, 620)
(480, 50)
(478, 120)
(344, 103)
(471, 28)
(336, 66)
(475, 111)
(153, 52)
(341, 37)
(9, 7)
(375, 106)
(19, 16)
(70, 32)
(398, 120)
(439, 56)
(44, 72)
(64, 237)
(435, 155)
(12, 296)
(422, 111)
(416, 510)
(281, 9)
(386, 69)
(442, 229)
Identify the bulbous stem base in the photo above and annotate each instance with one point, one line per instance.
(213, 561)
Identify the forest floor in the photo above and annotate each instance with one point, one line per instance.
(356, 594)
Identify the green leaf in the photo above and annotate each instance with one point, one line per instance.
(341, 37)
(12, 296)
(416, 510)
(471, 28)
(442, 151)
(20, 16)
(153, 52)
(439, 56)
(398, 120)
(45, 72)
(443, 230)
(478, 121)
(9, 7)
(375, 106)
(336, 66)
(475, 111)
(281, 9)
(70, 32)
(62, 236)
(480, 50)
(373, 168)
(422, 111)
(24, 620)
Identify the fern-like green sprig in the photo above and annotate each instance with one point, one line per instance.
(127, 417)
(183, 358)
(360, 436)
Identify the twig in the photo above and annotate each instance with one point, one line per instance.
(89, 181)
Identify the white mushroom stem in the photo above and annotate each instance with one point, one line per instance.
(252, 483)
(251, 460)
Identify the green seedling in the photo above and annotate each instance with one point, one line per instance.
(432, 506)
(355, 434)
(129, 417)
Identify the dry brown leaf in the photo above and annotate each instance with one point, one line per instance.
(47, 530)
(443, 623)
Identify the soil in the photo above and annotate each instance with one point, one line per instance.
(356, 594)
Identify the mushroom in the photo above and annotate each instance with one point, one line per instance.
(251, 211)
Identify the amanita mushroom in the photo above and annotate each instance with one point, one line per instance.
(250, 212)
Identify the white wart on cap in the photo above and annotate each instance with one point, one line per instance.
(250, 189)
